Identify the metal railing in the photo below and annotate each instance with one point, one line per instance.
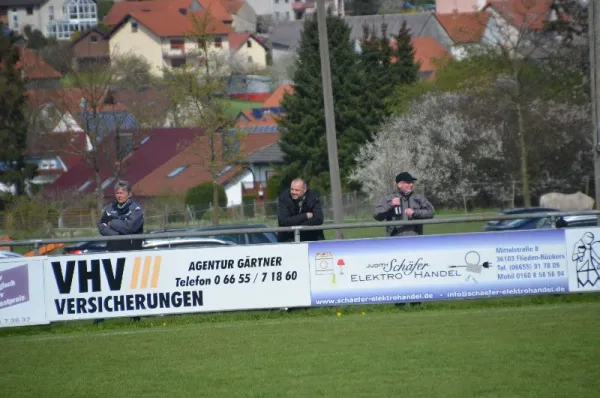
(36, 243)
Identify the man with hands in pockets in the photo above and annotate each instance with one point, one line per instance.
(404, 204)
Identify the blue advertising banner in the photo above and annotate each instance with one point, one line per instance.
(441, 267)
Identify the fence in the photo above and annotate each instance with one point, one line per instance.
(296, 229)
(356, 206)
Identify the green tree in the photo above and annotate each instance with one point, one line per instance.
(376, 59)
(388, 66)
(403, 70)
(13, 123)
(197, 90)
(303, 139)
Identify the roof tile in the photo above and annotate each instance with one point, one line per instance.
(467, 27)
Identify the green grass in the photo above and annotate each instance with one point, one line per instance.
(499, 350)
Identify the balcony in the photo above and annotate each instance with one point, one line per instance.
(173, 52)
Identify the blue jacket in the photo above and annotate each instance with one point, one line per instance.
(127, 219)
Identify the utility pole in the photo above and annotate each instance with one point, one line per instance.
(334, 168)
(593, 34)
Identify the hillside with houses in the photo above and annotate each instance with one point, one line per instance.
(102, 103)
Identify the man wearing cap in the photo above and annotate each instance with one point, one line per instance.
(406, 205)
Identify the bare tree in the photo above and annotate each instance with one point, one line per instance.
(86, 120)
(200, 91)
(518, 61)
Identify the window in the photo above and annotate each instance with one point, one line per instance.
(218, 42)
(201, 43)
(134, 27)
(249, 44)
(277, 15)
(177, 171)
(107, 182)
(15, 19)
(51, 13)
(29, 10)
(177, 44)
(250, 59)
(93, 38)
(287, 15)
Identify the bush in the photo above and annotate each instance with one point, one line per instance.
(273, 187)
(25, 216)
(201, 196)
(248, 201)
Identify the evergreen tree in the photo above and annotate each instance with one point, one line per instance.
(376, 57)
(404, 69)
(303, 138)
(14, 171)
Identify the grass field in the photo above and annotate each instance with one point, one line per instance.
(236, 106)
(493, 348)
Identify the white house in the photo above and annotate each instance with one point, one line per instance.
(54, 18)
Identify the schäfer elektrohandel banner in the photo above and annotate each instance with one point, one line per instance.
(438, 267)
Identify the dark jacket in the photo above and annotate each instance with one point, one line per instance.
(293, 212)
(122, 220)
(385, 211)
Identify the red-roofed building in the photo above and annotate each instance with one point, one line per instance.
(149, 153)
(37, 73)
(428, 52)
(275, 99)
(239, 15)
(474, 22)
(244, 16)
(186, 169)
(169, 37)
(249, 52)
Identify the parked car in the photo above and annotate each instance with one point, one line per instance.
(180, 243)
(85, 248)
(239, 239)
(7, 255)
(577, 221)
(521, 223)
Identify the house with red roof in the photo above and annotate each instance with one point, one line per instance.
(169, 36)
(504, 22)
(36, 72)
(147, 153)
(248, 51)
(189, 168)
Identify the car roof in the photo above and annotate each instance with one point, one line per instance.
(209, 228)
(521, 210)
(168, 241)
(7, 254)
(582, 217)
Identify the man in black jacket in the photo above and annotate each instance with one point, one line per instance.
(122, 217)
(299, 206)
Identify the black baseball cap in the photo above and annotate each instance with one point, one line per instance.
(404, 176)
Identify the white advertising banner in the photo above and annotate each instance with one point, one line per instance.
(583, 256)
(176, 281)
(22, 292)
(438, 267)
